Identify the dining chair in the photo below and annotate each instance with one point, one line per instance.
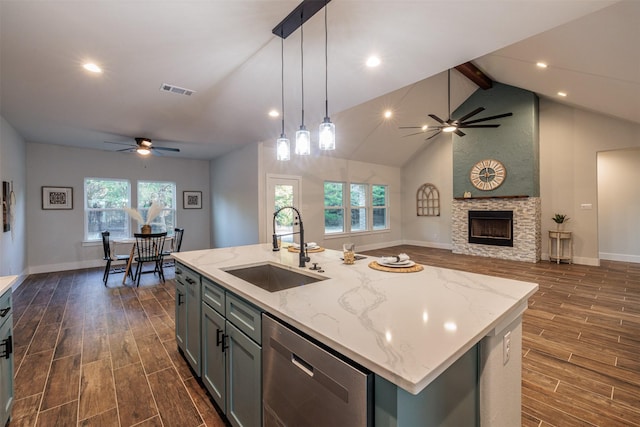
(176, 244)
(149, 249)
(109, 258)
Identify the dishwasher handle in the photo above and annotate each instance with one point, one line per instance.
(302, 364)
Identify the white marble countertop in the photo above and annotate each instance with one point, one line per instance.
(6, 282)
(406, 327)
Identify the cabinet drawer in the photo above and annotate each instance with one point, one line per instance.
(5, 306)
(186, 276)
(245, 317)
(213, 295)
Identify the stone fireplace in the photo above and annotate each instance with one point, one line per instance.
(506, 228)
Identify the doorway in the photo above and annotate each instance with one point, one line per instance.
(282, 190)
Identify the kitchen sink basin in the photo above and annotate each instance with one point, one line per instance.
(273, 278)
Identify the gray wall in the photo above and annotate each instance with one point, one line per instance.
(13, 252)
(55, 238)
(514, 143)
(235, 198)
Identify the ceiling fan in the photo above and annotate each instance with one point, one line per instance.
(455, 126)
(144, 146)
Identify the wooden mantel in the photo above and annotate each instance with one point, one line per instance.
(491, 197)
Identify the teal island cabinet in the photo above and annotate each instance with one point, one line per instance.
(444, 346)
(6, 349)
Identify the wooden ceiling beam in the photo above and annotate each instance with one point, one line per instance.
(476, 75)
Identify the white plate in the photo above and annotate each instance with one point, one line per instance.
(401, 264)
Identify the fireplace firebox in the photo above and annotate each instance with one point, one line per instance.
(491, 228)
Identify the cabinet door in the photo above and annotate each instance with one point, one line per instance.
(181, 316)
(244, 379)
(213, 366)
(192, 350)
(6, 371)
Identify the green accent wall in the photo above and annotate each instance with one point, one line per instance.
(515, 143)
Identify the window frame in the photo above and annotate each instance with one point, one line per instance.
(368, 206)
(170, 230)
(87, 209)
(342, 208)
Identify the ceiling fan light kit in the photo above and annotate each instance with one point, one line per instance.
(144, 147)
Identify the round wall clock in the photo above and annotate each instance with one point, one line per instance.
(487, 174)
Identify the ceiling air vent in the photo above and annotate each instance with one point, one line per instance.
(176, 89)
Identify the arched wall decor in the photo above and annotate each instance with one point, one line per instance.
(428, 200)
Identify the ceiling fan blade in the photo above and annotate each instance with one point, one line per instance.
(412, 134)
(471, 114)
(410, 127)
(434, 135)
(437, 119)
(119, 143)
(484, 119)
(131, 149)
(175, 150)
(479, 126)
(459, 132)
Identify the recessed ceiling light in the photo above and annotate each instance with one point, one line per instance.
(90, 66)
(388, 114)
(563, 94)
(373, 61)
(274, 113)
(541, 65)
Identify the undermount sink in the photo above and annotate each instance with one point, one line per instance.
(272, 277)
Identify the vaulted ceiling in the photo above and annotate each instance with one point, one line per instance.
(226, 53)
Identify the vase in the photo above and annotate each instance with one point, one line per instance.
(145, 229)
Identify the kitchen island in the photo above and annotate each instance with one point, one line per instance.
(406, 328)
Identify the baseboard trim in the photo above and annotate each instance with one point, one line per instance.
(79, 265)
(595, 262)
(436, 245)
(620, 257)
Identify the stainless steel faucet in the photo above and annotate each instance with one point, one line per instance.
(304, 256)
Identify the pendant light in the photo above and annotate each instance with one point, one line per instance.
(283, 149)
(303, 136)
(327, 132)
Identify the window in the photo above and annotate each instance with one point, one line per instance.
(358, 196)
(368, 209)
(380, 207)
(165, 194)
(333, 207)
(103, 209)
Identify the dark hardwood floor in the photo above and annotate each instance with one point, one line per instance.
(90, 355)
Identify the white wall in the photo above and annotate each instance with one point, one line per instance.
(315, 170)
(570, 140)
(433, 164)
(619, 205)
(13, 244)
(235, 198)
(55, 238)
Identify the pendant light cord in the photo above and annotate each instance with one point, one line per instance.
(449, 93)
(302, 63)
(282, 79)
(326, 66)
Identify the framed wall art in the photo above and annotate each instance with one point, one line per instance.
(57, 198)
(192, 199)
(6, 206)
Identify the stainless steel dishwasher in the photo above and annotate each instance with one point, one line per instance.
(306, 385)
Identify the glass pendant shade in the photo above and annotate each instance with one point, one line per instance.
(303, 141)
(283, 149)
(327, 135)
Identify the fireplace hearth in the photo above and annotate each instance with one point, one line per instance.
(491, 228)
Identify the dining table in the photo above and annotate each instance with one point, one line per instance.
(131, 241)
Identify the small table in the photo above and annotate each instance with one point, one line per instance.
(132, 241)
(562, 241)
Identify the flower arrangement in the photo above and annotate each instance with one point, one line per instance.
(154, 210)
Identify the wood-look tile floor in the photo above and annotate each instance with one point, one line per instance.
(90, 355)
(581, 337)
